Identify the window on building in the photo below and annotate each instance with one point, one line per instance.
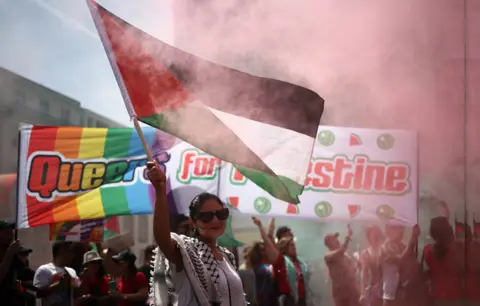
(65, 114)
(142, 228)
(44, 106)
(90, 122)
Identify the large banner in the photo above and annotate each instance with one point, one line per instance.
(354, 174)
(71, 174)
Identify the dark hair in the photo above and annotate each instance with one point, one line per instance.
(176, 220)
(281, 231)
(442, 233)
(254, 255)
(199, 200)
(149, 249)
(197, 204)
(58, 246)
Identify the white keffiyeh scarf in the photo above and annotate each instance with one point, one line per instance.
(200, 267)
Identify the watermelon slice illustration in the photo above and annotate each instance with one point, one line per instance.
(355, 140)
(233, 201)
(354, 210)
(292, 209)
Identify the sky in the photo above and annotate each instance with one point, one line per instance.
(54, 43)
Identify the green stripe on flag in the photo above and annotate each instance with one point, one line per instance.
(114, 201)
(117, 142)
(107, 234)
(274, 185)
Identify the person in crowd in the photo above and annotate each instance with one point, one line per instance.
(290, 272)
(133, 285)
(10, 266)
(25, 276)
(472, 281)
(265, 289)
(78, 249)
(342, 269)
(203, 273)
(394, 258)
(284, 232)
(444, 260)
(247, 275)
(370, 269)
(182, 225)
(146, 269)
(94, 282)
(56, 281)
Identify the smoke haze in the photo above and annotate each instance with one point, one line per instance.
(378, 64)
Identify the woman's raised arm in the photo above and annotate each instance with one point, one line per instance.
(161, 218)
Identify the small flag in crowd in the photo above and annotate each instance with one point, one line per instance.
(112, 227)
(265, 127)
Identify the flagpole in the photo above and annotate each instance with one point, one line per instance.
(142, 139)
(17, 196)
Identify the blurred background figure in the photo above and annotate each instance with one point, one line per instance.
(10, 266)
(444, 260)
(181, 225)
(147, 269)
(371, 272)
(132, 287)
(342, 269)
(247, 275)
(56, 281)
(94, 286)
(265, 286)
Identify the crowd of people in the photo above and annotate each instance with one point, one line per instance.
(188, 267)
(103, 277)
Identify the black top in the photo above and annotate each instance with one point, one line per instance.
(9, 289)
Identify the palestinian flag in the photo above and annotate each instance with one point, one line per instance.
(111, 228)
(265, 127)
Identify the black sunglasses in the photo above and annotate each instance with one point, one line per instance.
(207, 216)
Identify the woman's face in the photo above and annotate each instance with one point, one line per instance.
(211, 219)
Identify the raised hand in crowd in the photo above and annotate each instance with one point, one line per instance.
(335, 247)
(270, 248)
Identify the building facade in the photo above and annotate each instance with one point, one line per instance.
(24, 101)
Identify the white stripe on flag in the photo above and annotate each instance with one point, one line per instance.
(286, 152)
